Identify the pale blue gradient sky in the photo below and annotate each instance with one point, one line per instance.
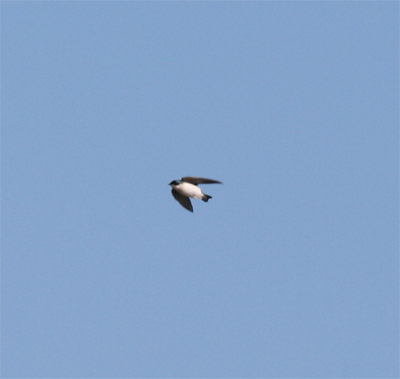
(291, 270)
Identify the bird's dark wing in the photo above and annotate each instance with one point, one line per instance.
(183, 200)
(195, 180)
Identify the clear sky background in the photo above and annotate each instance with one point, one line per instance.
(291, 270)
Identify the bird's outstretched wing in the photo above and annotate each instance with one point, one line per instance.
(183, 200)
(194, 180)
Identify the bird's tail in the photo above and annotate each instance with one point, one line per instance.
(206, 197)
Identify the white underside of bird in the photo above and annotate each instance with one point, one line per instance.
(189, 190)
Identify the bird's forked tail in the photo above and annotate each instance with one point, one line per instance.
(206, 197)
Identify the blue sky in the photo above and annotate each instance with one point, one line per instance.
(291, 270)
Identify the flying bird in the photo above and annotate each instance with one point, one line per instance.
(187, 188)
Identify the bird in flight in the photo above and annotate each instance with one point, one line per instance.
(187, 188)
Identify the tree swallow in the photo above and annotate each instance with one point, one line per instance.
(185, 188)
